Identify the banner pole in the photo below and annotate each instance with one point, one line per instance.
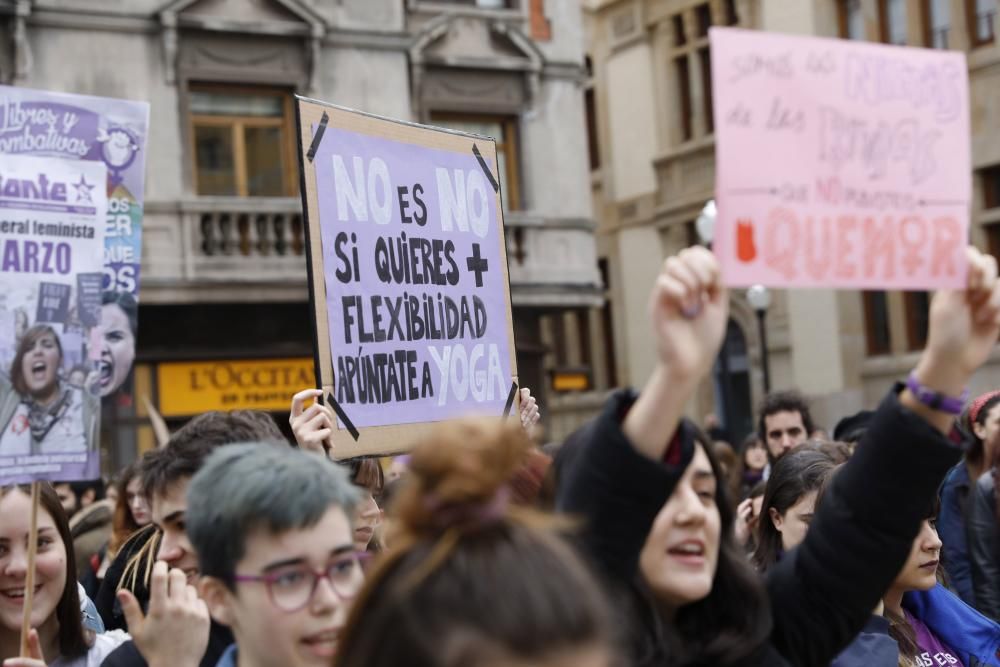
(29, 583)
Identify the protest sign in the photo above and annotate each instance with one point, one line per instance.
(111, 131)
(408, 275)
(839, 164)
(52, 221)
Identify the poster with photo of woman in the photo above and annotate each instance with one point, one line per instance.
(52, 224)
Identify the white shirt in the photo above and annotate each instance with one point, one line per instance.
(104, 644)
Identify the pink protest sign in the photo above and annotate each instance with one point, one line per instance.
(839, 164)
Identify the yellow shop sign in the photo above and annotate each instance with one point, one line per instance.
(188, 388)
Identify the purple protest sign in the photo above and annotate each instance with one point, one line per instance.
(112, 132)
(49, 401)
(415, 296)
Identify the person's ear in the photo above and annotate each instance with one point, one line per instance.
(218, 599)
(775, 518)
(979, 430)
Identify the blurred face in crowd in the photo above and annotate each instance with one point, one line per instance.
(920, 571)
(289, 621)
(367, 515)
(755, 456)
(784, 430)
(117, 348)
(681, 552)
(989, 432)
(794, 523)
(137, 502)
(50, 561)
(68, 498)
(169, 510)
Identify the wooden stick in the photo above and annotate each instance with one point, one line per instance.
(29, 583)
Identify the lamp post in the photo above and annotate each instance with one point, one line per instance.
(760, 300)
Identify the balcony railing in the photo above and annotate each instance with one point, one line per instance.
(234, 240)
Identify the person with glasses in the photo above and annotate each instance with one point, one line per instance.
(276, 552)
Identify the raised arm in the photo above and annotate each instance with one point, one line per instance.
(823, 592)
(625, 465)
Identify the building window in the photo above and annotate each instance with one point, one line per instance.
(684, 97)
(991, 186)
(607, 326)
(503, 129)
(732, 17)
(917, 306)
(692, 65)
(243, 142)
(937, 22)
(980, 16)
(993, 240)
(892, 21)
(706, 88)
(876, 305)
(852, 21)
(593, 144)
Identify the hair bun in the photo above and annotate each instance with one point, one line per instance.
(458, 476)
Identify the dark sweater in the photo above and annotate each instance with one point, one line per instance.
(821, 593)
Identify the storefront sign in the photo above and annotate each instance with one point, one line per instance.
(189, 388)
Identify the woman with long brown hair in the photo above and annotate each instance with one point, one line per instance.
(57, 624)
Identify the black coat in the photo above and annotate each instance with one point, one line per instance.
(822, 593)
(982, 532)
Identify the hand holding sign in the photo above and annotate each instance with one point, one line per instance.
(963, 328)
(312, 427)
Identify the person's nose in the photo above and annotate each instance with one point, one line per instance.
(691, 510)
(170, 551)
(16, 565)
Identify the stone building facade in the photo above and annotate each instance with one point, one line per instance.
(224, 274)
(652, 129)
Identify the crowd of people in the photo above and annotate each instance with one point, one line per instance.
(642, 540)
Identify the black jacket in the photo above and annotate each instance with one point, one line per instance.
(821, 593)
(106, 600)
(982, 533)
(219, 639)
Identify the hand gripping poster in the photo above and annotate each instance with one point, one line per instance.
(52, 224)
(112, 132)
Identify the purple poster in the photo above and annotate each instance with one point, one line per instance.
(52, 215)
(416, 286)
(113, 132)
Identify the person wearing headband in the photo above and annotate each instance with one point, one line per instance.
(979, 426)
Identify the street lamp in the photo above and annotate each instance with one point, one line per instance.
(705, 224)
(760, 300)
